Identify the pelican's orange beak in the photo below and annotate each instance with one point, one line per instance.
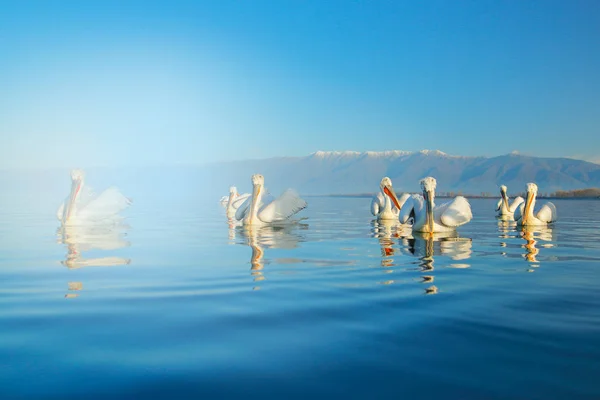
(392, 195)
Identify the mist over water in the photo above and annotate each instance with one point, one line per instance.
(175, 302)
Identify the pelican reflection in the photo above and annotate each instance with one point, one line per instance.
(425, 246)
(264, 237)
(532, 236)
(83, 238)
(386, 231)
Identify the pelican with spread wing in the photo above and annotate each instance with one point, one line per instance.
(524, 213)
(385, 205)
(234, 201)
(82, 208)
(255, 211)
(428, 217)
(503, 208)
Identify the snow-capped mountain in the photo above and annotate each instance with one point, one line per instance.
(351, 172)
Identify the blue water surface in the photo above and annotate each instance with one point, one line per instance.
(177, 303)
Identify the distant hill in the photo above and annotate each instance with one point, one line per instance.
(349, 172)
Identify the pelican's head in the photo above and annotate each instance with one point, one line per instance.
(258, 179)
(528, 211)
(232, 190)
(428, 184)
(503, 189)
(77, 175)
(385, 182)
(386, 187)
(532, 188)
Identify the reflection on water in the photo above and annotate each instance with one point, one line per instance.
(386, 231)
(261, 237)
(190, 325)
(83, 238)
(505, 228)
(423, 246)
(534, 237)
(426, 246)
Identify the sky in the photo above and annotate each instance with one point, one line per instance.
(137, 83)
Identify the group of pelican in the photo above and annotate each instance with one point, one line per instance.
(420, 210)
(522, 210)
(260, 208)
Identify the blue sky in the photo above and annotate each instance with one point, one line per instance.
(158, 83)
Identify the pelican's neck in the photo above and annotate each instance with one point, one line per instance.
(232, 196)
(387, 202)
(428, 197)
(256, 198)
(529, 206)
(431, 198)
(71, 210)
(531, 200)
(505, 200)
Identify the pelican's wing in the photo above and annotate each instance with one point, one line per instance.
(516, 203)
(243, 208)
(239, 201)
(499, 204)
(547, 213)
(402, 199)
(107, 204)
(412, 203)
(377, 203)
(519, 211)
(283, 207)
(456, 212)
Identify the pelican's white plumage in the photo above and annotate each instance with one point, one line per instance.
(256, 210)
(503, 208)
(524, 213)
(81, 207)
(430, 218)
(234, 201)
(385, 205)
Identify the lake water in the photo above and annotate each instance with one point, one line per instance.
(178, 304)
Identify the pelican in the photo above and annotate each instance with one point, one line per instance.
(524, 213)
(82, 208)
(381, 205)
(430, 218)
(502, 208)
(256, 212)
(234, 201)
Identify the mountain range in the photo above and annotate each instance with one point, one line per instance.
(350, 172)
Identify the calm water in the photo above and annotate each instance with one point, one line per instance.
(178, 304)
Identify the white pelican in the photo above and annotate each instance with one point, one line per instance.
(430, 218)
(503, 209)
(381, 205)
(256, 212)
(524, 213)
(82, 208)
(234, 201)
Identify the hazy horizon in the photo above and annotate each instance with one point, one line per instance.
(166, 83)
